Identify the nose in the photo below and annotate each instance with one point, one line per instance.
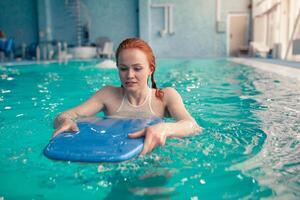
(130, 73)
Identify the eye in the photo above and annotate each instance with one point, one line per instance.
(123, 68)
(138, 68)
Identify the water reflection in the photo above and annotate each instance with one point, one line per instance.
(151, 185)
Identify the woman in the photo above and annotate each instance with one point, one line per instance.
(134, 99)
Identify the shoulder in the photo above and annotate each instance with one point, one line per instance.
(170, 94)
(109, 91)
(169, 91)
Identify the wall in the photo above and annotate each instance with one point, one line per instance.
(63, 23)
(234, 6)
(115, 19)
(18, 19)
(194, 24)
(28, 20)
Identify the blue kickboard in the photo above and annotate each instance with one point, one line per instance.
(99, 140)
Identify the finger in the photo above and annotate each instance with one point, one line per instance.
(146, 145)
(163, 141)
(56, 132)
(74, 128)
(152, 145)
(60, 130)
(137, 134)
(145, 150)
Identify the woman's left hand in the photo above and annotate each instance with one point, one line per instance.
(154, 135)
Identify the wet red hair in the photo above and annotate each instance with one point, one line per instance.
(136, 43)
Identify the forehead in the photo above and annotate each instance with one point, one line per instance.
(132, 56)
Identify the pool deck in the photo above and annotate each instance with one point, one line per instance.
(46, 62)
(285, 68)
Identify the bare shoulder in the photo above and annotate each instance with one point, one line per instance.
(108, 92)
(169, 91)
(170, 94)
(109, 89)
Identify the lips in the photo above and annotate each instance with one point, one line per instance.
(130, 83)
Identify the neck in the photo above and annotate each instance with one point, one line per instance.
(137, 97)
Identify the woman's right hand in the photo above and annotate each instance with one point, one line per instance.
(67, 125)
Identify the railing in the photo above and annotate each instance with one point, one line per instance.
(73, 10)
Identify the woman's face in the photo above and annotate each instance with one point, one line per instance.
(133, 69)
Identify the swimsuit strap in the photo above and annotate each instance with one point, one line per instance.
(150, 98)
(147, 97)
(122, 102)
(127, 110)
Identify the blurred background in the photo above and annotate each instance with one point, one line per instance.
(85, 29)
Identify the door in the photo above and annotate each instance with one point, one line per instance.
(238, 33)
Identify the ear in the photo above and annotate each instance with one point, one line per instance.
(151, 70)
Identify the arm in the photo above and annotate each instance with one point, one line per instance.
(157, 134)
(67, 119)
(185, 124)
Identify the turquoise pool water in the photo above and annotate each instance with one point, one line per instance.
(248, 150)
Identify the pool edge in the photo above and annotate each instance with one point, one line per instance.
(270, 67)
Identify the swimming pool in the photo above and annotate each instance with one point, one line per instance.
(249, 149)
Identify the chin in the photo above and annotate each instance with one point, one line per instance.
(131, 88)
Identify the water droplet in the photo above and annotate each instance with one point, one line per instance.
(5, 91)
(184, 180)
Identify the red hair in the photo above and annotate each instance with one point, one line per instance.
(136, 43)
